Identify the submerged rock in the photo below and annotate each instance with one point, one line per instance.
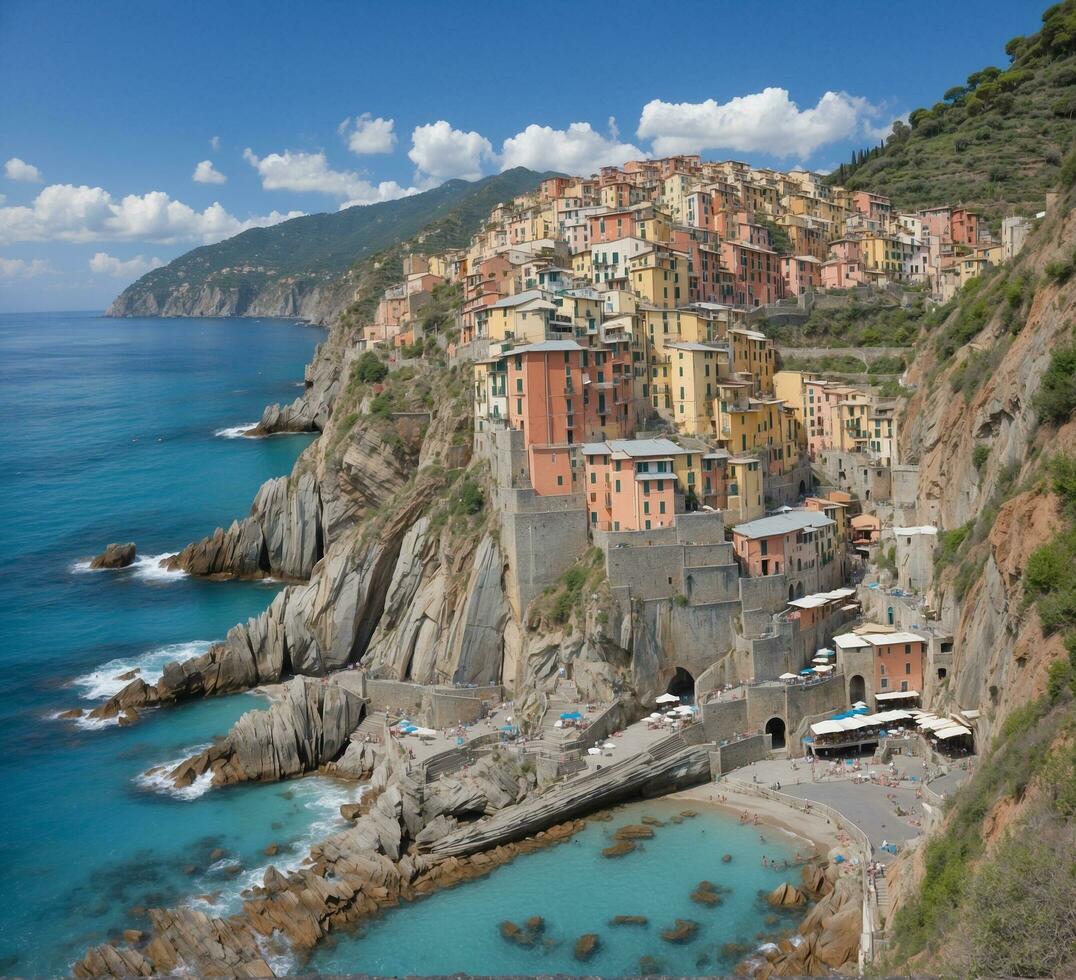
(618, 849)
(115, 556)
(649, 965)
(652, 822)
(629, 920)
(707, 893)
(586, 946)
(682, 931)
(726, 859)
(633, 831)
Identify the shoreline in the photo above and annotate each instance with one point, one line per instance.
(813, 828)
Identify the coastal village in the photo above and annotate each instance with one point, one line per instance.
(627, 399)
(697, 570)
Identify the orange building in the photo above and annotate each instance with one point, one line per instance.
(631, 484)
(898, 661)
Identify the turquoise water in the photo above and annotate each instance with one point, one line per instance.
(576, 891)
(110, 435)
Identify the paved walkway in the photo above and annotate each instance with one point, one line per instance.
(870, 806)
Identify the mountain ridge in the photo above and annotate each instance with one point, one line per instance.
(304, 267)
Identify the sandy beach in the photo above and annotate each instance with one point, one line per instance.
(815, 830)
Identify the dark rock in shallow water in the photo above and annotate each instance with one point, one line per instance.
(649, 965)
(618, 849)
(707, 893)
(73, 713)
(726, 859)
(115, 556)
(653, 822)
(586, 946)
(629, 920)
(682, 931)
(272, 850)
(633, 831)
(535, 924)
(217, 853)
(514, 934)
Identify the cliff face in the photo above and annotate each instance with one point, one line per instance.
(313, 299)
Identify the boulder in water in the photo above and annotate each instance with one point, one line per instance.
(586, 946)
(681, 931)
(115, 556)
(726, 859)
(619, 849)
(649, 965)
(786, 895)
(633, 831)
(629, 920)
(707, 893)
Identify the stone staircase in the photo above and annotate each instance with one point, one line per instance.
(370, 725)
(881, 887)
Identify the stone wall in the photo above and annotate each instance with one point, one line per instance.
(542, 536)
(868, 481)
(915, 560)
(724, 720)
(768, 593)
(736, 755)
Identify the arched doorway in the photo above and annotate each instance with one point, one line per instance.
(776, 728)
(683, 686)
(803, 489)
(889, 615)
(857, 688)
(791, 593)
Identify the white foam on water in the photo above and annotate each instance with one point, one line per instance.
(156, 779)
(85, 722)
(149, 569)
(236, 431)
(326, 798)
(104, 681)
(282, 964)
(82, 567)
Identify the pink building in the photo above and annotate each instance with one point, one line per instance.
(630, 484)
(800, 273)
(791, 543)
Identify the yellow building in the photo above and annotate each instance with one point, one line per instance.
(582, 264)
(744, 490)
(526, 318)
(694, 372)
(789, 387)
(659, 276)
(753, 353)
(851, 421)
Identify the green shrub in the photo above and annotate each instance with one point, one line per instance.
(1062, 470)
(1055, 400)
(949, 543)
(1060, 271)
(979, 456)
(1050, 582)
(369, 369)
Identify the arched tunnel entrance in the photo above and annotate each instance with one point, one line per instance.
(776, 728)
(683, 686)
(857, 688)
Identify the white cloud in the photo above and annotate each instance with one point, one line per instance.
(366, 134)
(63, 212)
(579, 149)
(206, 173)
(763, 122)
(16, 169)
(614, 129)
(21, 269)
(442, 152)
(879, 133)
(311, 173)
(108, 265)
(214, 142)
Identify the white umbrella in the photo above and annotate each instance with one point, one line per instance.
(609, 745)
(656, 715)
(820, 660)
(823, 670)
(684, 710)
(558, 724)
(594, 751)
(666, 699)
(672, 714)
(424, 732)
(860, 704)
(788, 677)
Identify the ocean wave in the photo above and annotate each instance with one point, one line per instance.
(147, 567)
(236, 431)
(324, 802)
(156, 779)
(104, 681)
(85, 722)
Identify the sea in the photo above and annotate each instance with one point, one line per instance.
(130, 430)
(127, 430)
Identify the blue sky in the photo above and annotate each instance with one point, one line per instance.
(107, 108)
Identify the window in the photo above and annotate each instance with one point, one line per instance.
(908, 667)
(616, 486)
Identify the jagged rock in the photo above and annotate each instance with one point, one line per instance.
(786, 895)
(70, 714)
(435, 830)
(586, 946)
(307, 727)
(814, 880)
(838, 942)
(357, 762)
(115, 556)
(132, 935)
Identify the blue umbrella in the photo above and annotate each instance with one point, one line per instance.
(807, 670)
(571, 715)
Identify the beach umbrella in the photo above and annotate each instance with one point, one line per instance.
(558, 724)
(788, 677)
(860, 704)
(594, 751)
(656, 715)
(820, 660)
(807, 670)
(571, 715)
(666, 699)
